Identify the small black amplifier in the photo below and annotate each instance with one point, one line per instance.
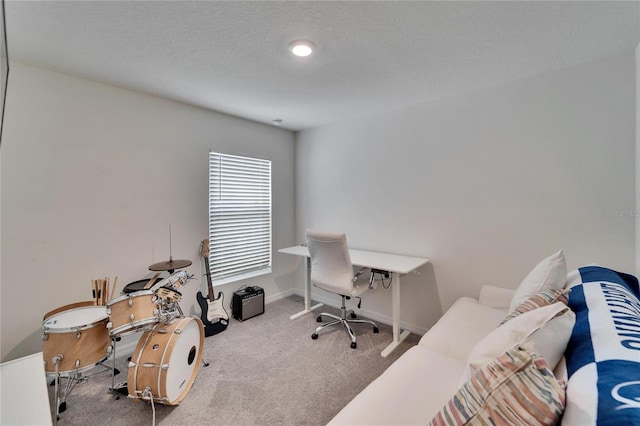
(247, 303)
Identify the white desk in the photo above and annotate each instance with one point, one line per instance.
(396, 264)
(25, 398)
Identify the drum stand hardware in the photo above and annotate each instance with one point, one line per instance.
(72, 381)
(147, 394)
(120, 388)
(74, 378)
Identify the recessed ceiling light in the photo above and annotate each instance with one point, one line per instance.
(277, 121)
(301, 47)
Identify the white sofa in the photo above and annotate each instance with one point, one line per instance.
(597, 356)
(414, 388)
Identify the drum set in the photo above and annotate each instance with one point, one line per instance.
(165, 362)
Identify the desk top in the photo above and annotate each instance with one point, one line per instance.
(371, 259)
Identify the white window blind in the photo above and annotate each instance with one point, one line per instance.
(239, 216)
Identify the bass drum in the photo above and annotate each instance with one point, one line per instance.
(166, 361)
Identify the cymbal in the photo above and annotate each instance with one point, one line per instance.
(170, 265)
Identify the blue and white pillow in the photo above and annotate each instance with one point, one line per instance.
(603, 354)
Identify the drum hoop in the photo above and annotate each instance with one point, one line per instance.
(74, 328)
(129, 295)
(194, 373)
(72, 372)
(132, 326)
(137, 352)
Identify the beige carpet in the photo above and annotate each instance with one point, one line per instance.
(264, 371)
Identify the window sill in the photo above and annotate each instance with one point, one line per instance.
(241, 277)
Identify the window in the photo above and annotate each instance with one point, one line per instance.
(239, 217)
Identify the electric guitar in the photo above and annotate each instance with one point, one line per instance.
(214, 317)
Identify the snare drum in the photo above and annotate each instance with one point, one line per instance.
(166, 361)
(130, 312)
(139, 285)
(79, 336)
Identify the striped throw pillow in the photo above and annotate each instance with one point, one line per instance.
(517, 389)
(544, 298)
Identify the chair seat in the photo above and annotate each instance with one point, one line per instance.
(358, 289)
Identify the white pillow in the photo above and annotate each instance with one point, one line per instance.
(545, 331)
(550, 273)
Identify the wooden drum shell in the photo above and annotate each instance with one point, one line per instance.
(166, 361)
(82, 346)
(132, 311)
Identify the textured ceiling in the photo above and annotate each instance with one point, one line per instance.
(232, 56)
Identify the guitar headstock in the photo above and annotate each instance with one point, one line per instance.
(204, 248)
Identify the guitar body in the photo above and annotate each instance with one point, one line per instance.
(213, 316)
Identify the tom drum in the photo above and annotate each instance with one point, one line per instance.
(130, 312)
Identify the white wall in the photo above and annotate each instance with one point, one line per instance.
(637, 211)
(92, 177)
(484, 184)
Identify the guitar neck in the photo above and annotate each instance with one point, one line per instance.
(211, 296)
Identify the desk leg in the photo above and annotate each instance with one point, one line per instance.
(307, 292)
(398, 335)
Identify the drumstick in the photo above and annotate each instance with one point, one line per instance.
(103, 294)
(95, 292)
(115, 280)
(151, 281)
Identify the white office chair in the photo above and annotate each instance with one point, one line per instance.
(332, 271)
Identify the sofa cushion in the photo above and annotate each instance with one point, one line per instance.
(517, 388)
(461, 327)
(550, 273)
(495, 297)
(603, 354)
(409, 392)
(545, 330)
(544, 298)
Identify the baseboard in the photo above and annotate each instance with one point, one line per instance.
(375, 316)
(127, 345)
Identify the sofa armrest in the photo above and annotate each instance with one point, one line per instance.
(495, 297)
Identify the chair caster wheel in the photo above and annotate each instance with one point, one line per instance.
(353, 345)
(319, 318)
(314, 336)
(375, 330)
(353, 315)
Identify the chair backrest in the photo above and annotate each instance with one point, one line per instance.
(331, 267)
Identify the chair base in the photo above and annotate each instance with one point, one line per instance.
(342, 319)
